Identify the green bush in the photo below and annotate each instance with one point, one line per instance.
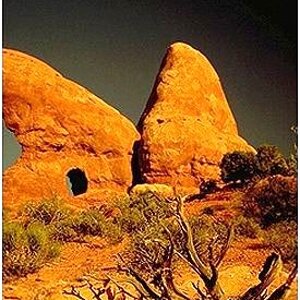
(241, 166)
(246, 227)
(90, 222)
(283, 238)
(293, 157)
(14, 236)
(113, 232)
(270, 161)
(63, 231)
(48, 211)
(238, 166)
(40, 241)
(55, 215)
(6, 214)
(208, 187)
(28, 245)
(272, 200)
(147, 217)
(152, 242)
(26, 249)
(144, 217)
(66, 225)
(144, 244)
(139, 212)
(208, 231)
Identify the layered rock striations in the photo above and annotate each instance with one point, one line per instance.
(65, 132)
(187, 125)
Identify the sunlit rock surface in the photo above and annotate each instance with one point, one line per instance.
(187, 125)
(61, 126)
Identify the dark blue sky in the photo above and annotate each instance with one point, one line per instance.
(114, 48)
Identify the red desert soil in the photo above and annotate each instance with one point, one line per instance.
(238, 272)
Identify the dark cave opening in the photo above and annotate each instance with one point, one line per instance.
(78, 181)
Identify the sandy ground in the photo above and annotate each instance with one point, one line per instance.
(239, 270)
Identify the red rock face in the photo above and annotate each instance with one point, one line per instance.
(187, 125)
(60, 126)
(186, 128)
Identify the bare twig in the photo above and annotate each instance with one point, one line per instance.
(282, 291)
(226, 246)
(198, 290)
(207, 272)
(118, 285)
(73, 292)
(97, 292)
(144, 284)
(167, 265)
(270, 269)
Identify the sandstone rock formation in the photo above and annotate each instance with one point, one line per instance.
(65, 131)
(187, 124)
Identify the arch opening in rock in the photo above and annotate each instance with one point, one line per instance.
(78, 182)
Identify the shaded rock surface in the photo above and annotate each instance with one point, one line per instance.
(187, 125)
(61, 126)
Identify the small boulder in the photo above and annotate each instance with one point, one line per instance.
(162, 190)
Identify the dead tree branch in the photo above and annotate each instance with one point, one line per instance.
(270, 270)
(282, 291)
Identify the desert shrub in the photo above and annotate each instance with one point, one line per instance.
(28, 245)
(6, 214)
(113, 232)
(55, 215)
(207, 232)
(93, 222)
(270, 161)
(89, 222)
(40, 242)
(208, 187)
(149, 244)
(65, 225)
(238, 166)
(128, 216)
(272, 200)
(139, 212)
(48, 211)
(151, 276)
(283, 238)
(208, 211)
(26, 249)
(144, 245)
(145, 217)
(63, 231)
(13, 236)
(241, 166)
(246, 227)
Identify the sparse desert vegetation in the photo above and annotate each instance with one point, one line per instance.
(162, 237)
(26, 249)
(169, 238)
